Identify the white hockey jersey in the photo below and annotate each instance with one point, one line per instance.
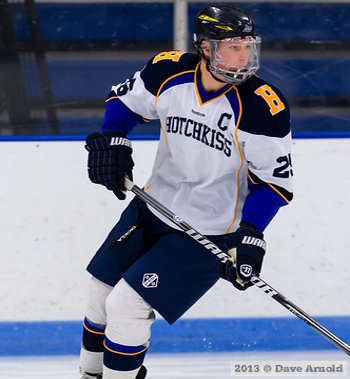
(210, 141)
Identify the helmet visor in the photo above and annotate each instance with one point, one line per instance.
(235, 59)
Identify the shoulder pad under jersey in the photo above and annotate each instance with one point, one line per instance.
(265, 111)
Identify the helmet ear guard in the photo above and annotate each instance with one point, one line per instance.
(198, 45)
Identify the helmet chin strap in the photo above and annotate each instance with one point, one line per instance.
(207, 65)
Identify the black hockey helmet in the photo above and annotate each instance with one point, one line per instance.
(222, 24)
(221, 21)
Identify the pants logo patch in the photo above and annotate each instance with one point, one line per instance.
(150, 280)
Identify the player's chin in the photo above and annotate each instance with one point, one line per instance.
(221, 78)
(233, 71)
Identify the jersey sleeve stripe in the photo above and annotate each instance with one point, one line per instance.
(286, 196)
(117, 97)
(276, 190)
(251, 179)
(111, 98)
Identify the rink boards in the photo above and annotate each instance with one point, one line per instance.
(185, 336)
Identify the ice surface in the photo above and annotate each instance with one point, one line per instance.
(169, 366)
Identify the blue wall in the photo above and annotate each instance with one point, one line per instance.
(83, 80)
(314, 82)
(152, 21)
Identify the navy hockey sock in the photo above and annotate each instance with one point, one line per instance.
(123, 358)
(93, 336)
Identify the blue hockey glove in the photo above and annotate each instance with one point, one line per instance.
(246, 250)
(110, 160)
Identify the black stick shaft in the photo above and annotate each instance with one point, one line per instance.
(257, 281)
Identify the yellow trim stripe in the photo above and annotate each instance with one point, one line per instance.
(164, 134)
(197, 91)
(119, 352)
(92, 331)
(117, 97)
(195, 84)
(113, 97)
(241, 155)
(207, 18)
(251, 179)
(275, 189)
(165, 81)
(223, 27)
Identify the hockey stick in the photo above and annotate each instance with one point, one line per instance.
(260, 283)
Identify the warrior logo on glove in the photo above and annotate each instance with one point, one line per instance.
(246, 270)
(254, 241)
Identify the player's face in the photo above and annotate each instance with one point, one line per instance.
(233, 53)
(234, 60)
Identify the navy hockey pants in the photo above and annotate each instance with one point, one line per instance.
(166, 267)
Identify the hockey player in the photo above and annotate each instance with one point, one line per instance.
(223, 165)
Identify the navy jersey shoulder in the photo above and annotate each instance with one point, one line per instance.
(164, 65)
(265, 111)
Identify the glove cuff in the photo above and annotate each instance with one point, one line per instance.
(252, 237)
(114, 133)
(245, 224)
(118, 138)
